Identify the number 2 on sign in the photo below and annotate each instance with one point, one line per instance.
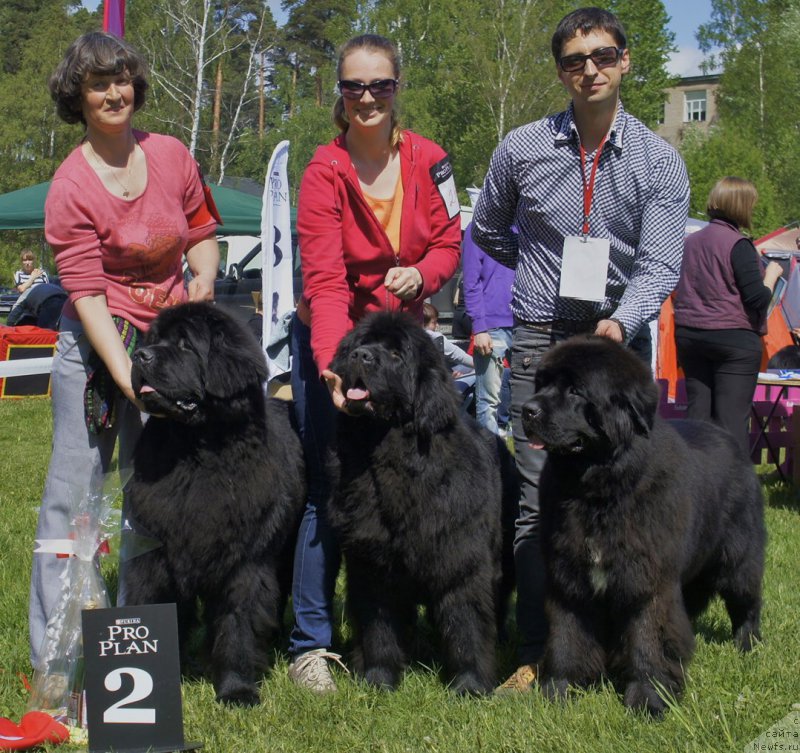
(142, 687)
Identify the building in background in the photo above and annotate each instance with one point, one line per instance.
(691, 103)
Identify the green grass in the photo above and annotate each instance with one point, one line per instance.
(729, 700)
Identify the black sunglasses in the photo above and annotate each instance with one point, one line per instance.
(603, 57)
(378, 89)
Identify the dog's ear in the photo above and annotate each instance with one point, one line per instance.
(435, 396)
(632, 413)
(340, 358)
(235, 360)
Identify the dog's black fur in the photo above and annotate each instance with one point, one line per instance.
(219, 481)
(423, 506)
(787, 357)
(643, 521)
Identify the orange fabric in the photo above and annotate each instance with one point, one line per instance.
(667, 353)
(388, 212)
(777, 337)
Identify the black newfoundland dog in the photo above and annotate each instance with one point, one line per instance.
(423, 505)
(643, 522)
(218, 481)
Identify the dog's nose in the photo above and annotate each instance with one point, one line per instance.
(362, 356)
(142, 356)
(531, 410)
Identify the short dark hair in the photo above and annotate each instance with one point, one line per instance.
(584, 21)
(97, 53)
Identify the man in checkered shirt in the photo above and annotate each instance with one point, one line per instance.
(600, 203)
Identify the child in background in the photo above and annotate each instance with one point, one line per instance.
(455, 357)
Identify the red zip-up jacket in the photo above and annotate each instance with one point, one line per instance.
(345, 252)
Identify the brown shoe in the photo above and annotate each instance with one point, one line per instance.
(520, 682)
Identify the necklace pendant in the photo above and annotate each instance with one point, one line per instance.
(126, 194)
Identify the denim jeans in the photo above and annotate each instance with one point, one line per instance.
(489, 378)
(316, 559)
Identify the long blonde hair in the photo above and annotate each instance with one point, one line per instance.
(371, 43)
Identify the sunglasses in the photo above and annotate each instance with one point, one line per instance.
(378, 89)
(602, 57)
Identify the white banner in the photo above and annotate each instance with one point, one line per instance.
(26, 367)
(276, 261)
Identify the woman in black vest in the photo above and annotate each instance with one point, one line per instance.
(720, 310)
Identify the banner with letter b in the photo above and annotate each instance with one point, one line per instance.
(277, 263)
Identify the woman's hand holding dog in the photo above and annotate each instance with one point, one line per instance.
(404, 282)
(334, 384)
(203, 260)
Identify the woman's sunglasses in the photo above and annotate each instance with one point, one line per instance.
(378, 89)
(603, 57)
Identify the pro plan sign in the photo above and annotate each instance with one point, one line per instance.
(133, 680)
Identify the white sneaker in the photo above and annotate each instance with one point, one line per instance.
(310, 670)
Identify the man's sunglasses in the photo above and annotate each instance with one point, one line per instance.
(378, 89)
(602, 57)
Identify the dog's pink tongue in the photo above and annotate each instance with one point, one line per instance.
(357, 393)
(145, 388)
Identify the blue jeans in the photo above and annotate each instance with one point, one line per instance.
(489, 378)
(316, 557)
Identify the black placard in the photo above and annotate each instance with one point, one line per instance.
(133, 680)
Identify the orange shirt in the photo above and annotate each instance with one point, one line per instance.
(388, 212)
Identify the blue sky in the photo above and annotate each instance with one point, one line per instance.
(686, 16)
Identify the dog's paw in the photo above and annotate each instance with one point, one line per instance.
(746, 638)
(381, 677)
(555, 689)
(642, 696)
(469, 683)
(233, 693)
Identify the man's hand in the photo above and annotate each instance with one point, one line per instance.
(610, 329)
(482, 343)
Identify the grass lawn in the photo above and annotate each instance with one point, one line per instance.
(729, 700)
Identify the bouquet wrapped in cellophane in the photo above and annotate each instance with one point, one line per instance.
(58, 685)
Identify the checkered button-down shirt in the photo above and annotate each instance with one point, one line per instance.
(640, 204)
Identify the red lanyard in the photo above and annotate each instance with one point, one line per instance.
(588, 190)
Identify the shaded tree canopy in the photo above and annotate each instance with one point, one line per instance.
(231, 84)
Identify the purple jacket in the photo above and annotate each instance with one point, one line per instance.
(487, 287)
(707, 296)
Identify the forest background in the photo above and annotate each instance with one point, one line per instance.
(231, 84)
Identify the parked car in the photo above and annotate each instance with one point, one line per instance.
(8, 297)
(240, 273)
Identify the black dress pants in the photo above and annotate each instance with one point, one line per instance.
(720, 382)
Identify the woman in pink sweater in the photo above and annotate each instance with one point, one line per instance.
(123, 210)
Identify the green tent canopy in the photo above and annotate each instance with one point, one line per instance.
(24, 209)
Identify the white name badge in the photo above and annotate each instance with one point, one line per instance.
(584, 268)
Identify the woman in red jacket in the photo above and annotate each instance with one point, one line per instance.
(378, 225)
